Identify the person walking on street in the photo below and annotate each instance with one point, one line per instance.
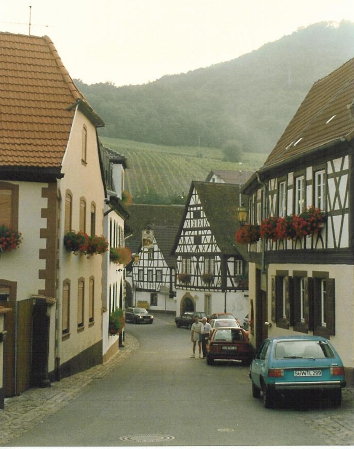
(206, 329)
(196, 336)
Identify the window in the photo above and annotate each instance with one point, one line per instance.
(320, 190)
(93, 219)
(150, 275)
(80, 303)
(68, 212)
(282, 199)
(91, 300)
(141, 275)
(65, 320)
(158, 275)
(299, 203)
(4, 293)
(281, 300)
(324, 305)
(151, 254)
(238, 267)
(9, 205)
(209, 265)
(84, 145)
(186, 266)
(153, 299)
(197, 214)
(82, 223)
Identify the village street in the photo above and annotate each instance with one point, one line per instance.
(154, 393)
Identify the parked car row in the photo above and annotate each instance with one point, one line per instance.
(282, 367)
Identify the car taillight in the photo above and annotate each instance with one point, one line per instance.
(275, 372)
(337, 370)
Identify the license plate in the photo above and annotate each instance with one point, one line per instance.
(308, 373)
(229, 348)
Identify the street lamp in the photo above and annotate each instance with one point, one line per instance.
(241, 214)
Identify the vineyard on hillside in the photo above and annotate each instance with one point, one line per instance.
(164, 173)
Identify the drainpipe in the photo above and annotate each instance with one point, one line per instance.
(264, 214)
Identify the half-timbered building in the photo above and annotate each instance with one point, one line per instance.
(152, 275)
(228, 176)
(211, 268)
(301, 270)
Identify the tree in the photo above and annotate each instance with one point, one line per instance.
(233, 151)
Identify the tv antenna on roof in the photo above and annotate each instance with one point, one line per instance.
(30, 19)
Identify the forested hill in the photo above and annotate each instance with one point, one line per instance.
(249, 99)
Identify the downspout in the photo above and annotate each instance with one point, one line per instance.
(264, 214)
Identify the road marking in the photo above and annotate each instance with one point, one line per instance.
(147, 438)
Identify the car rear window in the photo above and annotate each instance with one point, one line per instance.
(310, 349)
(137, 310)
(229, 335)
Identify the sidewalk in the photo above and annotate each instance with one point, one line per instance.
(25, 411)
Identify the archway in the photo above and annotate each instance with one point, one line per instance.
(187, 304)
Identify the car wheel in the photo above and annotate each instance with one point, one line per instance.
(336, 397)
(178, 325)
(256, 392)
(210, 360)
(268, 397)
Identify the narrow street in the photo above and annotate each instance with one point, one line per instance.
(158, 395)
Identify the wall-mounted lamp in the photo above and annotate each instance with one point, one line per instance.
(241, 214)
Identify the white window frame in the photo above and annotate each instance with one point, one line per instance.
(282, 199)
(299, 194)
(320, 189)
(302, 300)
(323, 299)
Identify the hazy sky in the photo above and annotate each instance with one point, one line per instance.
(138, 41)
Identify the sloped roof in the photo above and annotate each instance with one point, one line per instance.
(37, 103)
(163, 220)
(231, 176)
(219, 202)
(323, 118)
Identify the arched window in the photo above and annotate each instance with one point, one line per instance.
(68, 212)
(82, 224)
(84, 145)
(65, 312)
(93, 218)
(80, 303)
(92, 300)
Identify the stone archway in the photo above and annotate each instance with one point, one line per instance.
(187, 303)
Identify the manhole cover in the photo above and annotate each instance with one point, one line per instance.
(147, 438)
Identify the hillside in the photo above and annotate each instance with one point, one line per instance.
(162, 175)
(249, 99)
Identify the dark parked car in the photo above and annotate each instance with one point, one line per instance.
(229, 343)
(297, 364)
(138, 315)
(187, 319)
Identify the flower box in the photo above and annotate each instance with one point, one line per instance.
(9, 239)
(81, 243)
(268, 228)
(121, 255)
(185, 278)
(247, 234)
(207, 278)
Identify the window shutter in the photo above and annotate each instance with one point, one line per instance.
(290, 294)
(278, 298)
(273, 299)
(296, 301)
(309, 299)
(330, 306)
(307, 286)
(316, 305)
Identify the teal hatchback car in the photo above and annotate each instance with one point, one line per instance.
(296, 363)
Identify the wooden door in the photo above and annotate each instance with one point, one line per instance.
(261, 311)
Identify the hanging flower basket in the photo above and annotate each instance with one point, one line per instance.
(96, 245)
(116, 322)
(207, 278)
(185, 278)
(9, 239)
(247, 234)
(121, 255)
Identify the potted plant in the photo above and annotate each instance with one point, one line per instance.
(96, 245)
(314, 218)
(247, 233)
(284, 228)
(77, 242)
(116, 322)
(267, 228)
(9, 239)
(207, 278)
(185, 278)
(121, 255)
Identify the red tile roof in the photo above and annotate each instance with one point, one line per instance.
(323, 117)
(37, 96)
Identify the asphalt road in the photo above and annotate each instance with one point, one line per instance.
(160, 396)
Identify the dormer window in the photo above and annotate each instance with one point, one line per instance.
(84, 145)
